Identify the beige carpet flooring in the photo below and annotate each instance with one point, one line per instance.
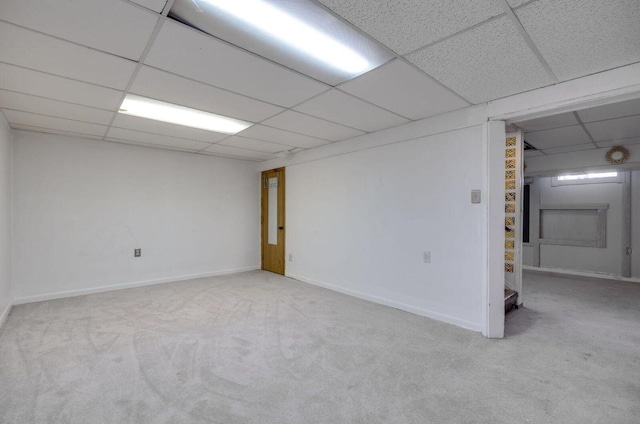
(259, 348)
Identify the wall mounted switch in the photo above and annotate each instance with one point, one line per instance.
(137, 253)
(476, 196)
(426, 257)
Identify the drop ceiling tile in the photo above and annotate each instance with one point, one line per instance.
(218, 149)
(308, 125)
(42, 121)
(557, 137)
(155, 5)
(275, 135)
(116, 27)
(171, 88)
(251, 144)
(33, 50)
(548, 122)
(156, 139)
(486, 63)
(566, 149)
(163, 128)
(407, 25)
(516, 3)
(57, 132)
(187, 52)
(582, 37)
(400, 88)
(42, 106)
(619, 142)
(340, 107)
(40, 84)
(615, 110)
(532, 153)
(628, 127)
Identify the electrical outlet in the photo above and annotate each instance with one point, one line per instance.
(137, 253)
(426, 257)
(290, 258)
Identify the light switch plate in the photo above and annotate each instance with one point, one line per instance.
(476, 196)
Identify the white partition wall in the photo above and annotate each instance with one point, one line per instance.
(5, 213)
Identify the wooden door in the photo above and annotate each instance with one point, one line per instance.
(273, 231)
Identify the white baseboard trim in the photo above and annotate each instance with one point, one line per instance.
(5, 314)
(81, 292)
(580, 273)
(392, 303)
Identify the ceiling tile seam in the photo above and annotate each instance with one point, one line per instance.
(375, 105)
(611, 119)
(584, 128)
(223, 89)
(148, 145)
(64, 40)
(93, 136)
(59, 76)
(298, 133)
(325, 141)
(316, 117)
(527, 39)
(455, 34)
(285, 146)
(53, 116)
(244, 148)
(165, 135)
(5, 118)
(56, 100)
(145, 52)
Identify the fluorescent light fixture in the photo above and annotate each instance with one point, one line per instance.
(299, 34)
(180, 115)
(593, 175)
(292, 31)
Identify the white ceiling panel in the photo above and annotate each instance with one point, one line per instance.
(582, 37)
(557, 137)
(161, 85)
(42, 121)
(160, 140)
(400, 88)
(548, 122)
(308, 125)
(619, 142)
(486, 63)
(187, 52)
(57, 132)
(566, 149)
(114, 26)
(251, 144)
(275, 135)
(156, 127)
(155, 5)
(628, 127)
(218, 149)
(340, 107)
(615, 110)
(42, 106)
(33, 50)
(407, 25)
(532, 153)
(39, 84)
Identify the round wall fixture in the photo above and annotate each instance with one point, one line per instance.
(617, 155)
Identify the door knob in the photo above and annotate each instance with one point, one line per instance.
(280, 228)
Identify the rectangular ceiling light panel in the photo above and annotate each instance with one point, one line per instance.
(298, 34)
(180, 115)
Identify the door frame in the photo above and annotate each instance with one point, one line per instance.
(281, 225)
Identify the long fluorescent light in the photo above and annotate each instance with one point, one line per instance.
(294, 32)
(588, 176)
(180, 115)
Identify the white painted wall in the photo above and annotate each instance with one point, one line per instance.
(600, 260)
(5, 213)
(635, 224)
(360, 222)
(82, 206)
